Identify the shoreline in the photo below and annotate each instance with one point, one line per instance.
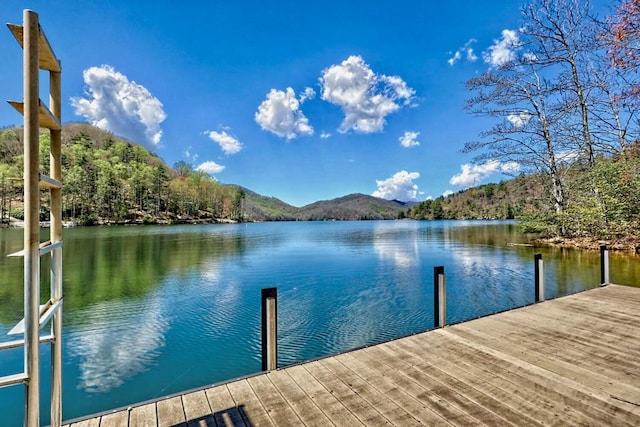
(628, 245)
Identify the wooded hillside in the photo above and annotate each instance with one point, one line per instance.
(111, 180)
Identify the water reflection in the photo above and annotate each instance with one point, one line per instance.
(137, 297)
(116, 341)
(400, 246)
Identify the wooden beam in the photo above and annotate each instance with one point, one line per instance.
(46, 118)
(48, 60)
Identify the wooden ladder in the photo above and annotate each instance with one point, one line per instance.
(38, 55)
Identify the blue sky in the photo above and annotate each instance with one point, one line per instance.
(302, 101)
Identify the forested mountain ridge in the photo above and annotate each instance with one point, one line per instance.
(108, 180)
(602, 203)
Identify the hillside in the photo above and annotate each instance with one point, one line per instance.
(347, 208)
(352, 207)
(109, 180)
(516, 198)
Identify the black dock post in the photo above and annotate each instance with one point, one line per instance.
(440, 297)
(539, 277)
(269, 297)
(604, 265)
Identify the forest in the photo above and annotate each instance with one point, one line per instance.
(108, 180)
(564, 102)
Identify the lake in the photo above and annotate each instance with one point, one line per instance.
(154, 310)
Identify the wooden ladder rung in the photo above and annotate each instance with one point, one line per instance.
(48, 60)
(46, 313)
(48, 182)
(46, 117)
(13, 379)
(19, 343)
(43, 248)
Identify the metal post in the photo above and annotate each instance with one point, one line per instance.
(269, 304)
(440, 297)
(56, 255)
(604, 265)
(539, 277)
(31, 217)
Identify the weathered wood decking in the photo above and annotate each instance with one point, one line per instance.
(570, 361)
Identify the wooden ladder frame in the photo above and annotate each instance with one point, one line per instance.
(38, 55)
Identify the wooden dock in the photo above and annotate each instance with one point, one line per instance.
(570, 361)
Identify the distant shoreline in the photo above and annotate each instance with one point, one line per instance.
(582, 243)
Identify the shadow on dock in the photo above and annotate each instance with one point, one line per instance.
(235, 416)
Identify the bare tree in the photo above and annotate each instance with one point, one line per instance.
(562, 34)
(523, 100)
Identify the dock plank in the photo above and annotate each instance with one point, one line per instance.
(277, 408)
(368, 405)
(568, 361)
(445, 391)
(306, 410)
(446, 372)
(326, 401)
(171, 412)
(391, 390)
(115, 419)
(197, 409)
(87, 423)
(143, 416)
(253, 412)
(225, 411)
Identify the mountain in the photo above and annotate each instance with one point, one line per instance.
(351, 207)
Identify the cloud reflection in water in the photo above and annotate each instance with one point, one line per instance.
(118, 339)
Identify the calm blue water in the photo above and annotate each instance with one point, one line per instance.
(151, 311)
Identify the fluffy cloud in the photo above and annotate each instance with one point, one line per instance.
(399, 187)
(473, 174)
(409, 139)
(503, 50)
(228, 143)
(365, 97)
(465, 50)
(447, 193)
(307, 93)
(280, 114)
(118, 105)
(325, 135)
(210, 167)
(520, 119)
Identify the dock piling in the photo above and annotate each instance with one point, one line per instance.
(604, 265)
(269, 304)
(539, 277)
(440, 297)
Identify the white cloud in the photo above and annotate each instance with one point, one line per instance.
(210, 168)
(520, 119)
(399, 187)
(280, 114)
(510, 167)
(325, 135)
(307, 93)
(472, 174)
(503, 50)
(455, 58)
(409, 139)
(447, 193)
(228, 143)
(118, 105)
(468, 52)
(366, 98)
(568, 156)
